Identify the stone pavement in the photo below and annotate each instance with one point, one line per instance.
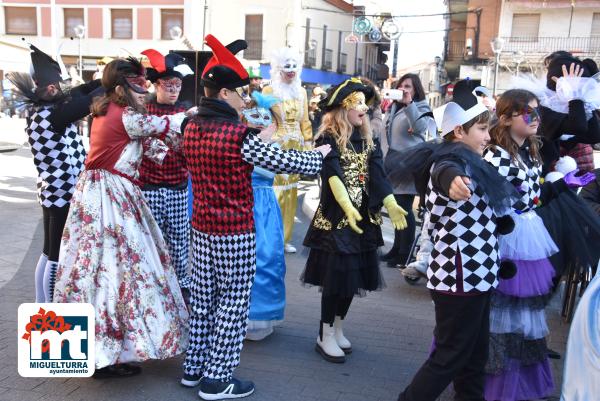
(391, 330)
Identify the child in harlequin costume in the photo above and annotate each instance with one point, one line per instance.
(165, 185)
(345, 232)
(518, 366)
(294, 129)
(464, 197)
(57, 148)
(220, 152)
(113, 254)
(267, 299)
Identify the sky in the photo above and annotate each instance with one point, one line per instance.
(415, 45)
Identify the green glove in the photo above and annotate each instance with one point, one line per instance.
(341, 196)
(397, 214)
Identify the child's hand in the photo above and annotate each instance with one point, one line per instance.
(459, 191)
(266, 134)
(324, 149)
(192, 111)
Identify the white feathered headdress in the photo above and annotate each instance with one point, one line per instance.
(286, 59)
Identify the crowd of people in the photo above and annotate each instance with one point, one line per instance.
(497, 180)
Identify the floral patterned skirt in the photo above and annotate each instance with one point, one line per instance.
(113, 256)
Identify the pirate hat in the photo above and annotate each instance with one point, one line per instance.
(464, 106)
(171, 65)
(224, 70)
(46, 70)
(337, 94)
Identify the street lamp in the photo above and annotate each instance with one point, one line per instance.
(518, 58)
(80, 32)
(497, 45)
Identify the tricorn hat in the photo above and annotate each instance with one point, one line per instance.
(171, 65)
(224, 70)
(337, 94)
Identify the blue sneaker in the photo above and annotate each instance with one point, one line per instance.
(213, 389)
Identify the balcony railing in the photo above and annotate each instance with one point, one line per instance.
(589, 45)
(456, 50)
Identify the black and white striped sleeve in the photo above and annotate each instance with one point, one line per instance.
(258, 153)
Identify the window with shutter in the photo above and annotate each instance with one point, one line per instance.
(170, 18)
(595, 25)
(525, 28)
(20, 20)
(72, 17)
(254, 37)
(121, 23)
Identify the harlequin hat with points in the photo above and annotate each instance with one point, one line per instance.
(337, 94)
(171, 65)
(224, 70)
(464, 106)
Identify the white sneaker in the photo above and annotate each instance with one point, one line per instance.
(340, 339)
(289, 248)
(327, 346)
(410, 272)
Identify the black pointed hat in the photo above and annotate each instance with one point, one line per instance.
(46, 70)
(171, 65)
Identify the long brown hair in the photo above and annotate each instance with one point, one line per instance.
(335, 124)
(513, 101)
(113, 80)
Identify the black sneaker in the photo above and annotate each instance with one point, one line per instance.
(190, 380)
(212, 389)
(389, 256)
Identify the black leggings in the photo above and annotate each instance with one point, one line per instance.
(54, 223)
(403, 239)
(332, 306)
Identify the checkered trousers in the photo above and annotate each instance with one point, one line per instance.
(223, 268)
(526, 180)
(58, 157)
(465, 228)
(170, 210)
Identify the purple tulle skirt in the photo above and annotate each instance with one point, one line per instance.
(520, 382)
(533, 278)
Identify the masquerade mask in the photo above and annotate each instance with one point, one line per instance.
(290, 66)
(137, 84)
(529, 115)
(355, 101)
(258, 116)
(170, 85)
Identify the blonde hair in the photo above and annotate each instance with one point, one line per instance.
(335, 124)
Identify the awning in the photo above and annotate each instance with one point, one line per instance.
(310, 75)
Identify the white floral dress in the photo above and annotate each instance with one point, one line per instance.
(113, 254)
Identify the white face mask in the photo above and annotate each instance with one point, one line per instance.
(290, 66)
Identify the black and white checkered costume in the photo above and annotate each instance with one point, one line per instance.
(464, 230)
(223, 268)
(58, 157)
(526, 178)
(222, 277)
(169, 207)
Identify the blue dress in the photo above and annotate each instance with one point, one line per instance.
(582, 364)
(267, 299)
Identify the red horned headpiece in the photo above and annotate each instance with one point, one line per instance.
(224, 70)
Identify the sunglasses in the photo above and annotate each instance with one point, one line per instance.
(529, 115)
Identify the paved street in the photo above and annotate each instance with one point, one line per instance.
(391, 330)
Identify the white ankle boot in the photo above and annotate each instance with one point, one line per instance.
(327, 345)
(341, 341)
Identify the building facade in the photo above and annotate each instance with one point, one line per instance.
(530, 30)
(319, 28)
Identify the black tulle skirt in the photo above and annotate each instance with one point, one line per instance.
(575, 229)
(343, 275)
